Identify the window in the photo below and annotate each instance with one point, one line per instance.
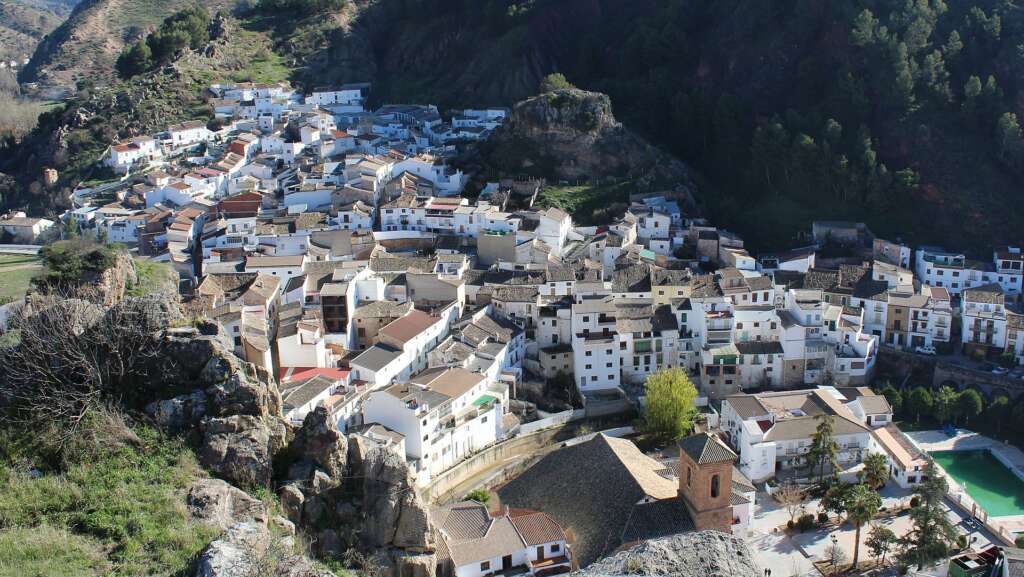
(555, 547)
(714, 486)
(485, 565)
(589, 353)
(588, 367)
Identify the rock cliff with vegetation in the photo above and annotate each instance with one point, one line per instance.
(73, 136)
(571, 134)
(137, 439)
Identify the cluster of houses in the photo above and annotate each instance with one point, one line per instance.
(333, 245)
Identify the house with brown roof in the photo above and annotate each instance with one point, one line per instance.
(475, 542)
(773, 431)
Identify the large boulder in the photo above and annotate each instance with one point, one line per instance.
(319, 442)
(248, 549)
(697, 554)
(221, 505)
(180, 413)
(415, 565)
(240, 448)
(292, 501)
(394, 514)
(239, 388)
(237, 553)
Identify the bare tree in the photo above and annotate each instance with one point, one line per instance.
(835, 556)
(792, 497)
(73, 355)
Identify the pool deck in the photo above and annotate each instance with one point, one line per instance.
(964, 440)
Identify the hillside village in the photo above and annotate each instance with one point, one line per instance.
(333, 243)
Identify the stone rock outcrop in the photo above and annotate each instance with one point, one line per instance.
(236, 553)
(240, 448)
(698, 554)
(394, 514)
(570, 134)
(176, 415)
(222, 505)
(232, 409)
(415, 565)
(113, 282)
(319, 442)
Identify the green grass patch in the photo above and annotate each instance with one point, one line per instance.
(48, 552)
(14, 283)
(17, 259)
(152, 277)
(588, 204)
(126, 501)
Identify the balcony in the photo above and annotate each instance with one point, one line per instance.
(551, 566)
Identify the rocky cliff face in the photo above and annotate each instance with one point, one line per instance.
(699, 554)
(342, 494)
(571, 134)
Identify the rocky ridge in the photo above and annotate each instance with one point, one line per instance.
(570, 134)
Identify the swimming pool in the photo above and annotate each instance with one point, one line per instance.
(994, 487)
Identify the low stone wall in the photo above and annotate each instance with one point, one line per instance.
(522, 445)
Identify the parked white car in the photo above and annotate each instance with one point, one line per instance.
(925, 350)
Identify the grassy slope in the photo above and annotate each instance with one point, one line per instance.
(586, 202)
(144, 104)
(86, 45)
(15, 275)
(115, 511)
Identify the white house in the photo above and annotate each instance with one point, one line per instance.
(445, 414)
(188, 133)
(772, 431)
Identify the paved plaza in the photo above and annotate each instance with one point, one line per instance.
(794, 555)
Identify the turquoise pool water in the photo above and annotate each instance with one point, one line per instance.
(994, 487)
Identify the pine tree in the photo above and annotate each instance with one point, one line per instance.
(932, 534)
(824, 451)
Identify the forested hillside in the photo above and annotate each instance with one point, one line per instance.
(903, 113)
(899, 112)
(86, 45)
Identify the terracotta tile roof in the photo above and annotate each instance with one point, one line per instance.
(536, 528)
(407, 327)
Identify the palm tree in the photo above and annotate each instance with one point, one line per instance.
(862, 503)
(876, 470)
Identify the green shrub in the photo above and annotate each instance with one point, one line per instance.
(482, 496)
(805, 522)
(915, 501)
(72, 262)
(790, 524)
(822, 518)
